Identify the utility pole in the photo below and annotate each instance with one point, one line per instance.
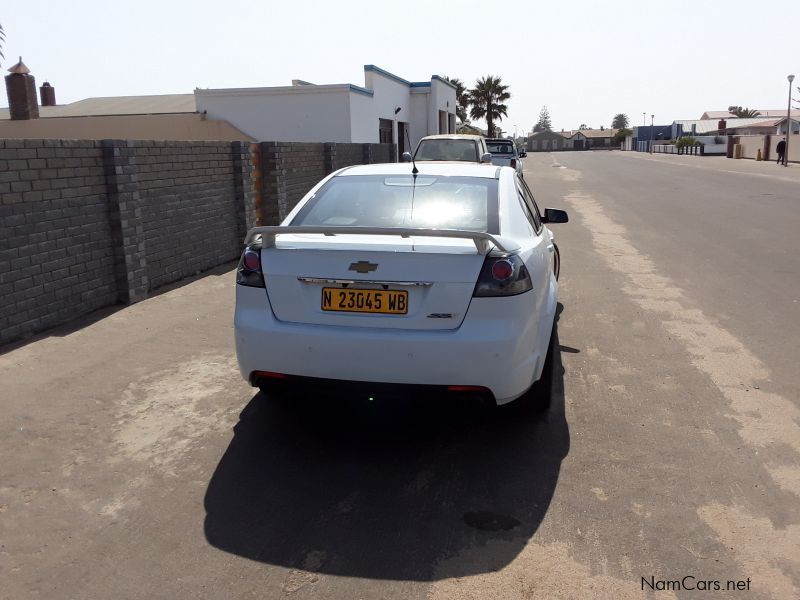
(644, 121)
(788, 123)
(652, 133)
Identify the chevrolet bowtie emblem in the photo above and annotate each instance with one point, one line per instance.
(363, 266)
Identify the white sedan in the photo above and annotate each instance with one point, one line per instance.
(444, 278)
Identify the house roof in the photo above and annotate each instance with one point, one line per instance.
(546, 132)
(724, 114)
(598, 133)
(702, 126)
(119, 105)
(185, 126)
(766, 123)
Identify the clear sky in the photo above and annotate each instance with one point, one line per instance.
(585, 60)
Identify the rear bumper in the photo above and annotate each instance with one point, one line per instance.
(499, 346)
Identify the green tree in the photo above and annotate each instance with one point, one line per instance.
(462, 98)
(544, 123)
(582, 126)
(620, 136)
(487, 101)
(743, 113)
(620, 121)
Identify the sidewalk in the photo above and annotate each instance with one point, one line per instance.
(721, 164)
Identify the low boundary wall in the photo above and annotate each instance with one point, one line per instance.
(89, 223)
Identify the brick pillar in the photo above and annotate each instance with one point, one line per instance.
(243, 187)
(367, 158)
(273, 182)
(125, 217)
(329, 157)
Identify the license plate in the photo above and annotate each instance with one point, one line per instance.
(385, 302)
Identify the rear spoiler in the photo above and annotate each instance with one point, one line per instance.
(484, 242)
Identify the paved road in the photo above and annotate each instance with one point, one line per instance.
(136, 464)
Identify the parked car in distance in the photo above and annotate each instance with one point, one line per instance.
(443, 280)
(504, 154)
(450, 147)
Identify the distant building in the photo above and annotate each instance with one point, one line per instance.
(645, 136)
(716, 115)
(547, 141)
(576, 139)
(470, 129)
(766, 127)
(387, 109)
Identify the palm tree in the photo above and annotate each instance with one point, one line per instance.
(743, 113)
(487, 98)
(462, 98)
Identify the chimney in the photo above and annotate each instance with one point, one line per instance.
(48, 94)
(21, 90)
(722, 125)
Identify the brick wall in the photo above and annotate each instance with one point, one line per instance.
(189, 208)
(85, 224)
(56, 256)
(290, 169)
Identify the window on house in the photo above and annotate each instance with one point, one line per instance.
(385, 131)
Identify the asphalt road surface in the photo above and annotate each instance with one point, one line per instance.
(136, 463)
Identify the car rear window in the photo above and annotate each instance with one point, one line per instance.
(500, 147)
(447, 150)
(440, 202)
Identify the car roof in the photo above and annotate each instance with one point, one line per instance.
(455, 168)
(452, 136)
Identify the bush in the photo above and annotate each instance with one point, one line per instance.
(686, 141)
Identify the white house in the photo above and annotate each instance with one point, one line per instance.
(386, 109)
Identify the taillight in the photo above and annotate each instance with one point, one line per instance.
(503, 276)
(249, 271)
(513, 163)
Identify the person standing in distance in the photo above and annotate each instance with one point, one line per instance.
(781, 148)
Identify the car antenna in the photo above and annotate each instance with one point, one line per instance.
(414, 172)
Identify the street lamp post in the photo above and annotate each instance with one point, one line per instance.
(652, 132)
(788, 123)
(644, 121)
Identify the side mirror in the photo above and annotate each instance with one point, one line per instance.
(554, 215)
(486, 158)
(405, 157)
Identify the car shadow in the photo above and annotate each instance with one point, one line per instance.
(386, 490)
